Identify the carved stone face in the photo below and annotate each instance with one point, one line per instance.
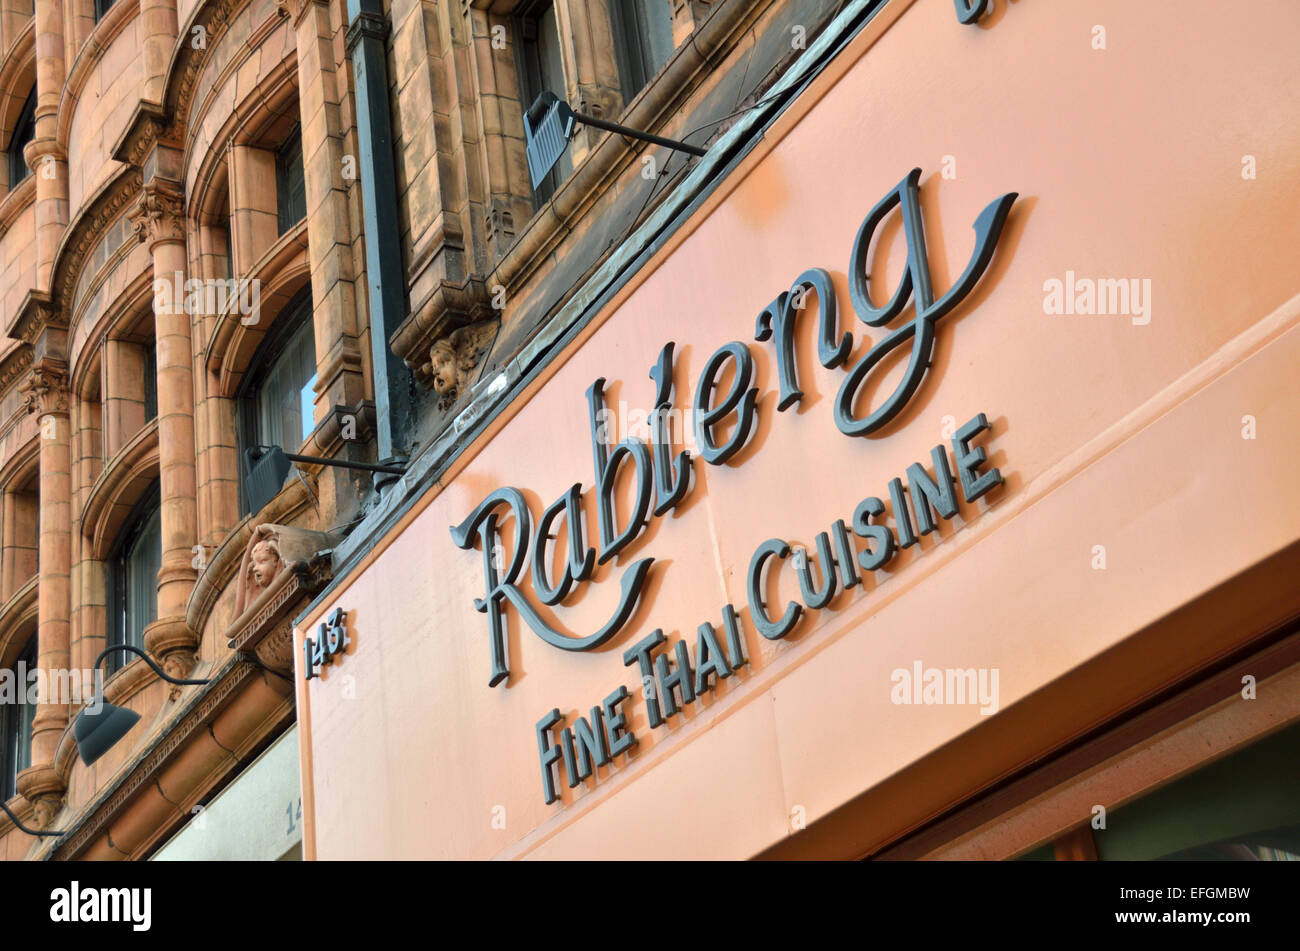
(266, 564)
(442, 363)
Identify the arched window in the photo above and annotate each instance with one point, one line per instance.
(133, 578)
(24, 132)
(101, 7)
(276, 397)
(16, 724)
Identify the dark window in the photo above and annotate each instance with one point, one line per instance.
(150, 382)
(643, 40)
(290, 187)
(16, 724)
(24, 132)
(541, 70)
(101, 7)
(133, 578)
(276, 398)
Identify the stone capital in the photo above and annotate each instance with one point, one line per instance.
(159, 214)
(45, 391)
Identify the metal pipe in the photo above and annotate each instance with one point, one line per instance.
(636, 134)
(345, 463)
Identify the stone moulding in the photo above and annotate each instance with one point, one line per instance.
(85, 231)
(164, 751)
(14, 366)
(128, 474)
(15, 613)
(15, 202)
(232, 344)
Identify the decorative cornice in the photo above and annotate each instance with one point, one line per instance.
(14, 366)
(187, 62)
(34, 314)
(89, 227)
(148, 127)
(159, 214)
(46, 390)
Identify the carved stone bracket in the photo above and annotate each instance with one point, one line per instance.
(449, 306)
(174, 644)
(45, 392)
(454, 358)
(159, 215)
(282, 567)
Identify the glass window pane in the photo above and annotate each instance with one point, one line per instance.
(26, 715)
(143, 564)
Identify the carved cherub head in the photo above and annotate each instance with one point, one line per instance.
(443, 366)
(264, 564)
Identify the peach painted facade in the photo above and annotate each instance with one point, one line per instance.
(1146, 531)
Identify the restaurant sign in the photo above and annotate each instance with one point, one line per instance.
(723, 424)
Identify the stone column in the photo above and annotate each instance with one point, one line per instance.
(48, 163)
(158, 30)
(159, 221)
(46, 394)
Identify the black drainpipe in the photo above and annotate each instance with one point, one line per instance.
(384, 280)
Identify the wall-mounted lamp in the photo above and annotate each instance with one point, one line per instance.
(268, 467)
(549, 125)
(96, 732)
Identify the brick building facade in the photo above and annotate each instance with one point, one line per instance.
(189, 262)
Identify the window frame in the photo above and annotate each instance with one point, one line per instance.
(532, 83)
(101, 8)
(118, 577)
(292, 318)
(290, 188)
(16, 727)
(633, 47)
